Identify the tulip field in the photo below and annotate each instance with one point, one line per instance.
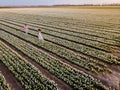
(80, 50)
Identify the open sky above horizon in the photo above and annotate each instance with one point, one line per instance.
(54, 2)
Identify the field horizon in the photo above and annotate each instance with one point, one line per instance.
(69, 6)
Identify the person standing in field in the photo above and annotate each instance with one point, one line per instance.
(40, 37)
(26, 28)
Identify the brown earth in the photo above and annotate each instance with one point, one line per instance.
(10, 78)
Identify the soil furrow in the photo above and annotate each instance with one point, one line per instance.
(10, 78)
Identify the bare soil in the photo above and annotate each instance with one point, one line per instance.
(10, 78)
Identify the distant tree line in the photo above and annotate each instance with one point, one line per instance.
(113, 4)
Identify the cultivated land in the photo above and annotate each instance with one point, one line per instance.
(81, 50)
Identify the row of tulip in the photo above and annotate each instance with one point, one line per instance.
(76, 79)
(29, 77)
(72, 39)
(106, 57)
(89, 64)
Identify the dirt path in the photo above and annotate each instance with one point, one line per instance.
(10, 78)
(116, 73)
(117, 54)
(113, 79)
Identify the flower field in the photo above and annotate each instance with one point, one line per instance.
(80, 51)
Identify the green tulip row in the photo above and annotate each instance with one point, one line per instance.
(67, 22)
(69, 25)
(76, 79)
(106, 57)
(89, 64)
(25, 73)
(77, 35)
(56, 34)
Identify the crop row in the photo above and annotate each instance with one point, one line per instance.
(77, 35)
(92, 31)
(82, 34)
(70, 26)
(76, 79)
(106, 57)
(71, 39)
(67, 40)
(3, 84)
(84, 27)
(89, 64)
(29, 77)
(75, 23)
(70, 23)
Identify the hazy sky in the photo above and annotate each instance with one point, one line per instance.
(53, 2)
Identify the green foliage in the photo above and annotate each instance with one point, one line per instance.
(69, 75)
(25, 73)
